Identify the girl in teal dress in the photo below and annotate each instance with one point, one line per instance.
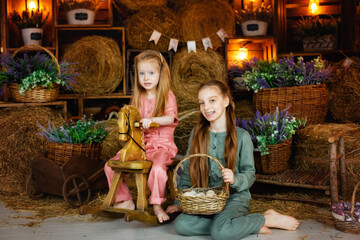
(217, 135)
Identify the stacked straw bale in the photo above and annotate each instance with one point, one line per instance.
(138, 4)
(311, 149)
(344, 95)
(200, 19)
(141, 25)
(99, 63)
(19, 143)
(244, 109)
(189, 70)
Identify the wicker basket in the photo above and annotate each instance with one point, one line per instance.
(38, 94)
(205, 205)
(324, 43)
(309, 102)
(62, 152)
(345, 220)
(276, 161)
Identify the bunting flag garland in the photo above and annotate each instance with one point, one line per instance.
(222, 34)
(191, 45)
(155, 36)
(207, 43)
(173, 44)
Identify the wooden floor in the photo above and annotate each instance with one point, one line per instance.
(15, 225)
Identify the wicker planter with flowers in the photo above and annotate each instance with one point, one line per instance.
(299, 85)
(34, 77)
(75, 138)
(272, 138)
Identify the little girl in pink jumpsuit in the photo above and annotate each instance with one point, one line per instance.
(152, 74)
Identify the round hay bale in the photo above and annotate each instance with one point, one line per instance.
(204, 18)
(111, 145)
(189, 70)
(99, 63)
(19, 143)
(188, 117)
(311, 149)
(344, 101)
(139, 4)
(244, 109)
(141, 25)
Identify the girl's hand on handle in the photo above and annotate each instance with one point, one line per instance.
(146, 122)
(228, 175)
(173, 208)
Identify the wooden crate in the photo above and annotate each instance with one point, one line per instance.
(263, 48)
(103, 16)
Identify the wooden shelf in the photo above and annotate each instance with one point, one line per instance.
(54, 103)
(83, 26)
(87, 96)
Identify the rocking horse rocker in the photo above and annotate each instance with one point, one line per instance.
(132, 160)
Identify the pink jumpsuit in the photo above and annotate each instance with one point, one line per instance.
(160, 149)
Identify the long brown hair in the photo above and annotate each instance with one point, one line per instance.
(163, 86)
(199, 169)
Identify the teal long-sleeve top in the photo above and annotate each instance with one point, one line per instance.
(244, 174)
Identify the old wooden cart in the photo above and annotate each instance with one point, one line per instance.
(74, 180)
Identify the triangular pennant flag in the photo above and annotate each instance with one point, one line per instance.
(173, 44)
(191, 45)
(222, 34)
(155, 36)
(207, 43)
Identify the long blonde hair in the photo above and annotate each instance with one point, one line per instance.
(199, 169)
(163, 86)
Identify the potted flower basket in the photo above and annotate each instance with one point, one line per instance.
(81, 12)
(255, 21)
(272, 138)
(74, 138)
(30, 23)
(34, 78)
(316, 34)
(298, 84)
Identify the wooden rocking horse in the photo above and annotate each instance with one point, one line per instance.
(132, 160)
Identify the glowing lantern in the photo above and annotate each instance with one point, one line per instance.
(243, 53)
(314, 6)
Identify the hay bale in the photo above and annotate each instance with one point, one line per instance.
(204, 18)
(139, 4)
(189, 70)
(19, 143)
(99, 63)
(244, 109)
(344, 100)
(141, 25)
(311, 149)
(111, 144)
(188, 117)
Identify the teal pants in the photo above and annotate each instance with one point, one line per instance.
(234, 222)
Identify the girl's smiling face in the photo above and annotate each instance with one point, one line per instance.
(149, 75)
(213, 104)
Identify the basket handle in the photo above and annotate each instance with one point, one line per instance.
(38, 48)
(196, 155)
(353, 198)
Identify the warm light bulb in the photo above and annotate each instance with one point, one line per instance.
(314, 6)
(32, 5)
(243, 54)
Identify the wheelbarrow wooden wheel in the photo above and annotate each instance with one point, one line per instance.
(76, 191)
(32, 188)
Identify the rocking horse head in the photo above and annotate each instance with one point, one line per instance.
(130, 132)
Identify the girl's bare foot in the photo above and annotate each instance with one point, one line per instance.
(274, 219)
(160, 213)
(128, 204)
(265, 230)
